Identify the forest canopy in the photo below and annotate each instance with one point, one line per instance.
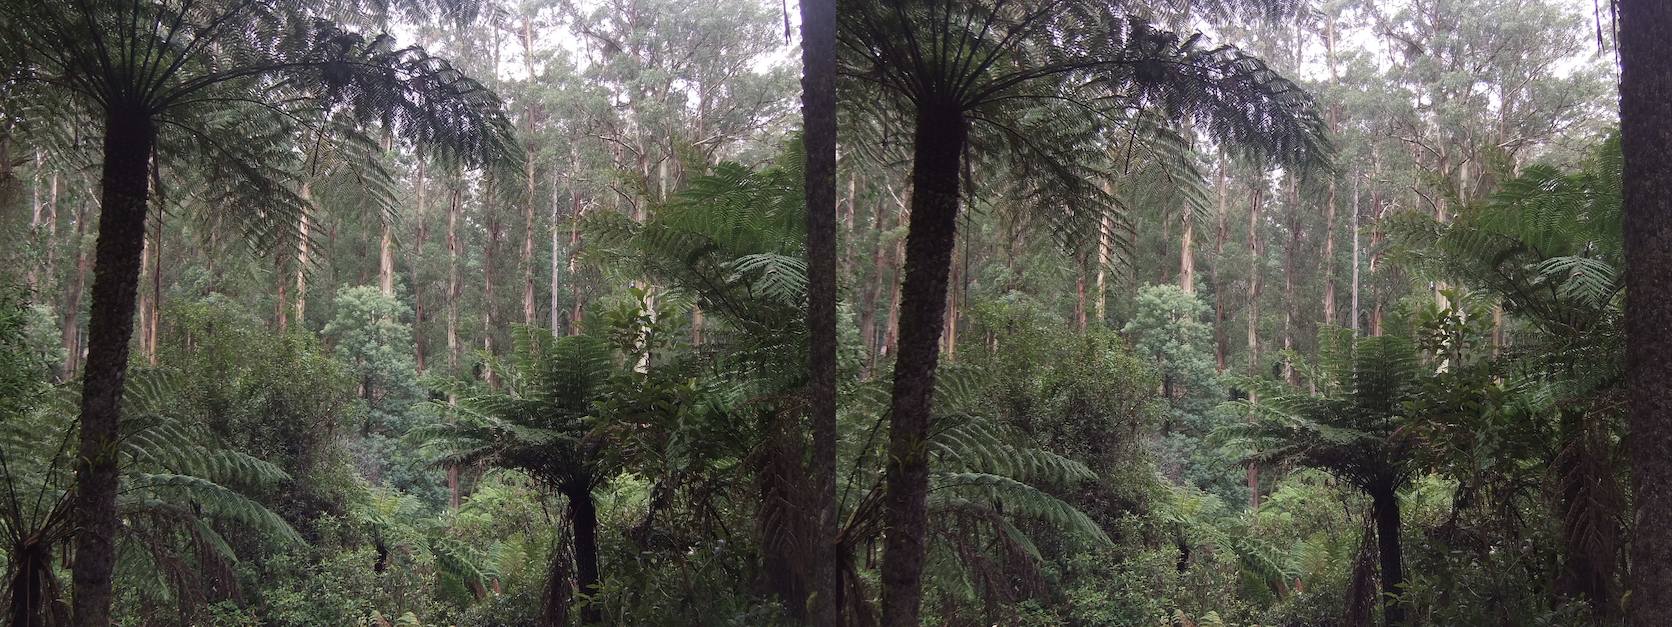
(1156, 313)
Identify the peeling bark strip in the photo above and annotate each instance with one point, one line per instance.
(117, 260)
(1645, 131)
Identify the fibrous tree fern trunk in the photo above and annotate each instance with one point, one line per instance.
(583, 518)
(129, 136)
(1645, 131)
(33, 589)
(939, 144)
(554, 610)
(1385, 508)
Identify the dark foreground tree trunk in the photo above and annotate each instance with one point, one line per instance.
(818, 110)
(110, 325)
(1385, 506)
(1645, 132)
(939, 144)
(583, 518)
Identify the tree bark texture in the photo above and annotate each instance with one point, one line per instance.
(583, 516)
(1385, 506)
(117, 259)
(939, 144)
(818, 109)
(1645, 132)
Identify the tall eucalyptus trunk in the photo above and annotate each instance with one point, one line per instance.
(1291, 252)
(302, 259)
(386, 259)
(1105, 237)
(1331, 118)
(529, 223)
(1256, 285)
(455, 349)
(490, 257)
(455, 289)
(1353, 306)
(1221, 236)
(871, 289)
(556, 265)
(818, 108)
(77, 283)
(420, 217)
(1645, 131)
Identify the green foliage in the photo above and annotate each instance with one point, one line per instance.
(280, 398)
(24, 367)
(370, 337)
(1536, 430)
(1167, 327)
(541, 423)
(1354, 428)
(184, 493)
(374, 344)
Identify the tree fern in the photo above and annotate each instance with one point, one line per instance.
(180, 491)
